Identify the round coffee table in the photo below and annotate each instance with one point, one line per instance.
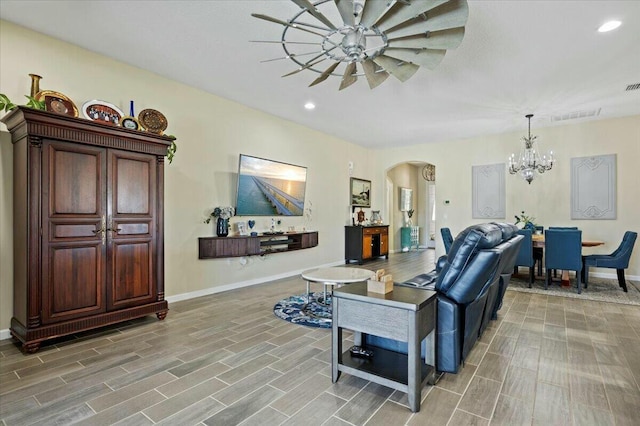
(332, 276)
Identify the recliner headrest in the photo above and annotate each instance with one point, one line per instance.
(508, 229)
(488, 235)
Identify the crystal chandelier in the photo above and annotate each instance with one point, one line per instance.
(529, 160)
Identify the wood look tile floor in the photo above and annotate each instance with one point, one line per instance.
(225, 359)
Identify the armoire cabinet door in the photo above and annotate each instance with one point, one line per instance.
(73, 237)
(131, 201)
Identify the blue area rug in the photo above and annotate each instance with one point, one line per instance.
(296, 310)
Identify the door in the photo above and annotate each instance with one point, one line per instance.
(73, 231)
(367, 246)
(384, 242)
(131, 195)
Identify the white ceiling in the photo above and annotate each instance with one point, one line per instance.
(517, 57)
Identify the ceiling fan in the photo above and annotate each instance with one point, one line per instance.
(371, 38)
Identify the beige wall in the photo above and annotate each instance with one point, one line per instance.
(212, 132)
(548, 197)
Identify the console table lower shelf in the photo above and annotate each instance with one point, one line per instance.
(407, 315)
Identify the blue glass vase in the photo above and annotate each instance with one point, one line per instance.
(222, 227)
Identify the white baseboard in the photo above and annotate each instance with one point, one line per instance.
(241, 284)
(5, 334)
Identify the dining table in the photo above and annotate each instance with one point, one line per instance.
(538, 242)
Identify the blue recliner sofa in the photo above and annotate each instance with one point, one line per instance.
(468, 285)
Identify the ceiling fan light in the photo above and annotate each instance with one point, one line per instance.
(609, 26)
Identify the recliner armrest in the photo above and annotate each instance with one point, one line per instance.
(442, 260)
(425, 281)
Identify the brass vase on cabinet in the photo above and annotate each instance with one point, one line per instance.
(35, 84)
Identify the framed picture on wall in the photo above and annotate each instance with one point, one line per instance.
(360, 192)
(406, 199)
(242, 228)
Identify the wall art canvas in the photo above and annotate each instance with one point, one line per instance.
(488, 191)
(593, 187)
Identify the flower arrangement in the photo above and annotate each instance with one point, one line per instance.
(527, 221)
(221, 212)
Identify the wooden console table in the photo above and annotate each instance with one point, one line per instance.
(407, 315)
(366, 242)
(238, 246)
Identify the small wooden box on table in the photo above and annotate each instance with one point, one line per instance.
(407, 315)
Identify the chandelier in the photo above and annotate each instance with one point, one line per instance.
(529, 160)
(371, 38)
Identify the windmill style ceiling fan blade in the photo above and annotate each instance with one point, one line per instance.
(375, 75)
(394, 37)
(450, 15)
(284, 42)
(445, 39)
(286, 24)
(401, 13)
(304, 67)
(349, 76)
(325, 74)
(403, 71)
(374, 10)
(429, 58)
(345, 7)
(306, 4)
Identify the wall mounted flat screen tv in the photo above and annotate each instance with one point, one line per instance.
(270, 188)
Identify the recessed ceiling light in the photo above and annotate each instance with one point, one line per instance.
(609, 26)
(310, 105)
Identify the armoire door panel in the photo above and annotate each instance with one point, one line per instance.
(133, 184)
(73, 250)
(75, 284)
(132, 273)
(138, 229)
(131, 201)
(75, 177)
(66, 231)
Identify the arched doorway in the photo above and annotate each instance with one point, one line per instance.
(418, 179)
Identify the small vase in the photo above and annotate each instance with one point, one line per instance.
(222, 227)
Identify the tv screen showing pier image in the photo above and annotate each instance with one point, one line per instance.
(270, 188)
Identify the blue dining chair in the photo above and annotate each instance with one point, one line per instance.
(619, 260)
(563, 250)
(560, 228)
(538, 252)
(525, 254)
(447, 238)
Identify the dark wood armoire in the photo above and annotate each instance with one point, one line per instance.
(88, 225)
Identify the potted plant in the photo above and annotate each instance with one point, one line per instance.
(527, 221)
(222, 214)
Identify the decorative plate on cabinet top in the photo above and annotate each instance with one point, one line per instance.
(153, 121)
(130, 123)
(102, 112)
(57, 102)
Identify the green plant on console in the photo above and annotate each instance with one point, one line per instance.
(220, 212)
